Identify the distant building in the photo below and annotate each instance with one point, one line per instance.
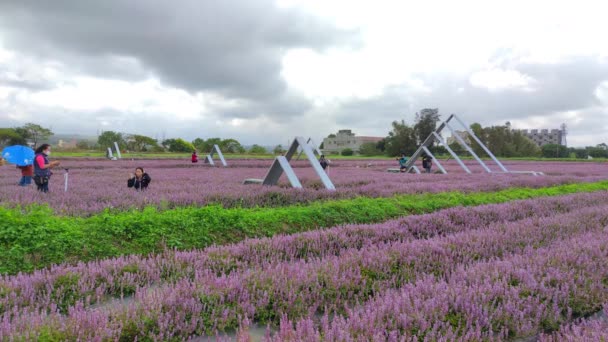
(544, 136)
(463, 134)
(67, 144)
(344, 139)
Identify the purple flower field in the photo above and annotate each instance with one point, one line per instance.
(525, 269)
(95, 185)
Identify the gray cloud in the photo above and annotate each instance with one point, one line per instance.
(560, 88)
(230, 47)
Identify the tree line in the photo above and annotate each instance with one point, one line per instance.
(403, 138)
(500, 140)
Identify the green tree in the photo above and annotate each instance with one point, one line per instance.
(9, 136)
(35, 132)
(83, 145)
(402, 139)
(257, 149)
(426, 123)
(231, 146)
(199, 144)
(481, 135)
(597, 152)
(347, 152)
(554, 151)
(278, 149)
(178, 145)
(524, 146)
(107, 139)
(212, 141)
(369, 149)
(381, 145)
(141, 143)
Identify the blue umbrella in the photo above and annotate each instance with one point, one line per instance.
(17, 154)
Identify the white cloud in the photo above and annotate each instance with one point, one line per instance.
(497, 80)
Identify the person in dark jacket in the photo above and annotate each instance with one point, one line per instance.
(42, 167)
(324, 162)
(427, 163)
(140, 180)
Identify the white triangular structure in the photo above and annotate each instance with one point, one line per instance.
(281, 164)
(117, 150)
(314, 147)
(209, 157)
(436, 136)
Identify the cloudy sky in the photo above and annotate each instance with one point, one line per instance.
(264, 71)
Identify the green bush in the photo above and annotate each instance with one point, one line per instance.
(347, 152)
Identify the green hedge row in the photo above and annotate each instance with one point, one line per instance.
(33, 238)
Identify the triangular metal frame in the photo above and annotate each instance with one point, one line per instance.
(281, 164)
(312, 144)
(209, 157)
(436, 136)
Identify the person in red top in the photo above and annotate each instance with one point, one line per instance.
(194, 157)
(42, 167)
(27, 172)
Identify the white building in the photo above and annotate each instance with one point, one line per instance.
(544, 136)
(345, 138)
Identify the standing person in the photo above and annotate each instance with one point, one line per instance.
(42, 167)
(194, 157)
(27, 172)
(324, 162)
(427, 163)
(402, 162)
(140, 180)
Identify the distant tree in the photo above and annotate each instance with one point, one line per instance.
(278, 149)
(481, 135)
(83, 145)
(456, 147)
(597, 152)
(231, 146)
(199, 144)
(554, 151)
(439, 150)
(208, 145)
(381, 145)
(322, 145)
(140, 143)
(369, 149)
(426, 123)
(9, 136)
(331, 136)
(402, 139)
(580, 153)
(35, 132)
(502, 142)
(524, 146)
(257, 149)
(603, 146)
(178, 145)
(107, 139)
(347, 152)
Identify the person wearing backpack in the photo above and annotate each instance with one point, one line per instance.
(427, 163)
(42, 167)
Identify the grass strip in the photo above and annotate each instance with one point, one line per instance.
(33, 237)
